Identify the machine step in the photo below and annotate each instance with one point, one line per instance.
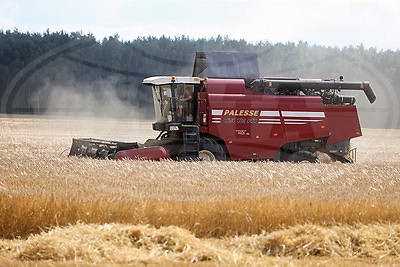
(191, 143)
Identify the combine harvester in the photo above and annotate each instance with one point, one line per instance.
(226, 112)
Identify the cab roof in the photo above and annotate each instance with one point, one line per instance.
(160, 80)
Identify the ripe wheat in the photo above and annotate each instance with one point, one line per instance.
(41, 188)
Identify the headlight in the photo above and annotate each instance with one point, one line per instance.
(174, 128)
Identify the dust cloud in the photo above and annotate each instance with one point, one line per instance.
(84, 100)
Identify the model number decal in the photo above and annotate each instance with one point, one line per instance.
(229, 120)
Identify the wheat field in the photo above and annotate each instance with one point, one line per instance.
(59, 209)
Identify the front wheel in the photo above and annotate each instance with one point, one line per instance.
(206, 155)
(211, 150)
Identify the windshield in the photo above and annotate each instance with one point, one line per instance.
(174, 102)
(162, 103)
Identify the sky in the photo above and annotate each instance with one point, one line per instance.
(333, 23)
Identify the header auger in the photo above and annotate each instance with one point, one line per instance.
(227, 112)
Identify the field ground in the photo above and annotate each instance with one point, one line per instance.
(74, 210)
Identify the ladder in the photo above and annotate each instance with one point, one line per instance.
(191, 142)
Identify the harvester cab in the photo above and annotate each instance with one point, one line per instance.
(177, 106)
(226, 111)
(175, 100)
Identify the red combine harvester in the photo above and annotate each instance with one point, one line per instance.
(226, 112)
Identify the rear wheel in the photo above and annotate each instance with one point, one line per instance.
(303, 156)
(342, 159)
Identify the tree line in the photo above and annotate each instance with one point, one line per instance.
(124, 64)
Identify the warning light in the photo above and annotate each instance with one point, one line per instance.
(173, 79)
(230, 142)
(358, 133)
(275, 134)
(322, 126)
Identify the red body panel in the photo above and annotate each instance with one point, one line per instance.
(343, 123)
(222, 86)
(303, 117)
(255, 126)
(248, 131)
(147, 153)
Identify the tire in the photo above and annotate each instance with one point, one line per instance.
(303, 156)
(211, 150)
